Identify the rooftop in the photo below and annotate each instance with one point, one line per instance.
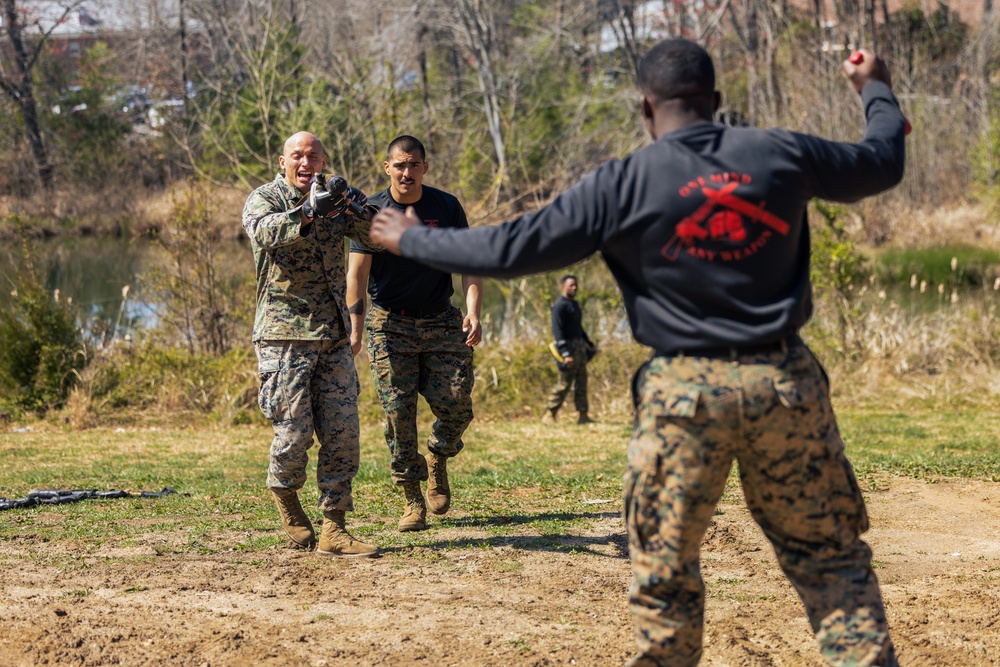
(73, 18)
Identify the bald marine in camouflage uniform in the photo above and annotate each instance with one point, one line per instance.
(308, 382)
(705, 232)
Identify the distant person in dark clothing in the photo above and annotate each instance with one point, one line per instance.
(576, 350)
(705, 232)
(418, 343)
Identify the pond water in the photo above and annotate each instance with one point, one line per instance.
(100, 275)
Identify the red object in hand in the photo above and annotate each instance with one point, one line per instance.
(856, 59)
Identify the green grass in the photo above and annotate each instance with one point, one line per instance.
(516, 484)
(924, 445)
(973, 266)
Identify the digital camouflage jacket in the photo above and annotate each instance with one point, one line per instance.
(301, 275)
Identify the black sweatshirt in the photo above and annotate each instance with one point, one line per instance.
(567, 325)
(704, 231)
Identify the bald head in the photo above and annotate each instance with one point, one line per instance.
(302, 157)
(300, 138)
(676, 68)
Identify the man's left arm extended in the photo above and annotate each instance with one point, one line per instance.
(571, 228)
(472, 287)
(269, 224)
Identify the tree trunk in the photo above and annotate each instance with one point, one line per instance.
(184, 55)
(774, 94)
(477, 32)
(872, 30)
(23, 93)
(988, 38)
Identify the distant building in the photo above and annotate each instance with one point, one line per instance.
(968, 11)
(126, 26)
(650, 23)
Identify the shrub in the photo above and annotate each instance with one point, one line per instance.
(199, 307)
(147, 383)
(41, 348)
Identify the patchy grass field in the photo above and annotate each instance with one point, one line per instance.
(529, 567)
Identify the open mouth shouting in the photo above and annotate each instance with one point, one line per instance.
(304, 176)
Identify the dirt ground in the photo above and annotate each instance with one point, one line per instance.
(454, 602)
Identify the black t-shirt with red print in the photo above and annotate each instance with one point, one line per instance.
(398, 283)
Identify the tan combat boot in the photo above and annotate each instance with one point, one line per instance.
(415, 513)
(336, 542)
(295, 522)
(438, 489)
(550, 415)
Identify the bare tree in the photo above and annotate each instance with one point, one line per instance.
(19, 85)
(620, 17)
(758, 26)
(982, 96)
(476, 29)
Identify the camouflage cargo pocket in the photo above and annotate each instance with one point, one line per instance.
(660, 401)
(270, 395)
(643, 512)
(801, 381)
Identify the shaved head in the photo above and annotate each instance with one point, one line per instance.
(302, 158)
(302, 138)
(676, 68)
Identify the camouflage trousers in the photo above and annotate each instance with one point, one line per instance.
(770, 412)
(574, 377)
(309, 387)
(429, 357)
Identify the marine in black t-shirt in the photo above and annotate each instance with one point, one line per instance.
(418, 343)
(575, 347)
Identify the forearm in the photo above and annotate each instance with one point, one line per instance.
(359, 230)
(357, 306)
(356, 290)
(357, 315)
(884, 145)
(270, 227)
(472, 287)
(355, 297)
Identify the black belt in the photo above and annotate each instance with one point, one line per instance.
(421, 313)
(733, 351)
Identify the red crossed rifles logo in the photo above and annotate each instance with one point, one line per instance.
(724, 212)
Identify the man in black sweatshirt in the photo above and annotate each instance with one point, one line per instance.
(705, 232)
(575, 348)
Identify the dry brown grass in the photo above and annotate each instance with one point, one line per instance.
(70, 210)
(155, 209)
(878, 222)
(891, 357)
(967, 388)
